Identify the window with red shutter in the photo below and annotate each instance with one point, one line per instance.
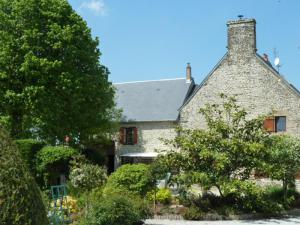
(128, 135)
(269, 124)
(122, 135)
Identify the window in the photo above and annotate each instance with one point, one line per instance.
(128, 135)
(275, 124)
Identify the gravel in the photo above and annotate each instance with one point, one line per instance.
(286, 221)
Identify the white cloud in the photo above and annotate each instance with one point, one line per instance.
(95, 6)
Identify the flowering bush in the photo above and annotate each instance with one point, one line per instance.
(85, 177)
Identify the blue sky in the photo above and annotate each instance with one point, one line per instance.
(154, 39)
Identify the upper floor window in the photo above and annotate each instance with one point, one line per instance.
(128, 135)
(275, 124)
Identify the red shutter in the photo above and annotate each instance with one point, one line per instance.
(122, 135)
(135, 135)
(269, 124)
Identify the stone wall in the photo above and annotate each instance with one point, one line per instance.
(257, 87)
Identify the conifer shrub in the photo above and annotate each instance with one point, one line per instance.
(20, 198)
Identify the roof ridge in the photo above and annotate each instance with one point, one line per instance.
(143, 81)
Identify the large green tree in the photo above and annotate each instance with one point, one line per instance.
(51, 81)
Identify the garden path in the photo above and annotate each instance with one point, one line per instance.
(286, 221)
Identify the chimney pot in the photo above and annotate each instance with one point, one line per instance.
(266, 57)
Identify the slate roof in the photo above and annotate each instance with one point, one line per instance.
(158, 100)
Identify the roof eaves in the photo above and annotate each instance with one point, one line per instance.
(275, 72)
(144, 81)
(148, 121)
(204, 81)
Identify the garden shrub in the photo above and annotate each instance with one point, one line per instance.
(20, 198)
(28, 149)
(135, 178)
(51, 161)
(248, 197)
(118, 207)
(193, 213)
(276, 192)
(163, 196)
(85, 176)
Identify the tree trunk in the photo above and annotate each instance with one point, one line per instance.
(284, 187)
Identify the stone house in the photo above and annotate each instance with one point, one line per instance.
(152, 109)
(149, 113)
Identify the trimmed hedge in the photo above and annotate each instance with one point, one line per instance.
(28, 149)
(20, 199)
(51, 161)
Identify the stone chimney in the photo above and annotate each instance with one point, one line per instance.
(188, 73)
(241, 39)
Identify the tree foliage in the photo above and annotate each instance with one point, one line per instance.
(20, 199)
(284, 160)
(51, 81)
(230, 148)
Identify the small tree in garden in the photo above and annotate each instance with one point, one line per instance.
(284, 161)
(230, 148)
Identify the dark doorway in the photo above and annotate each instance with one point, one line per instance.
(110, 154)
